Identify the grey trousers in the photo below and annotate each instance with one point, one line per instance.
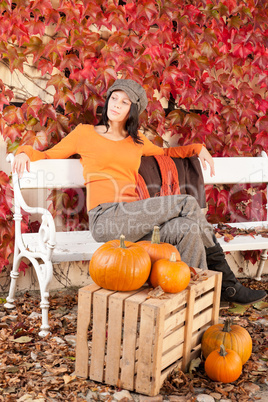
(181, 222)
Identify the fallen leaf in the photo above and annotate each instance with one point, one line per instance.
(68, 378)
(13, 369)
(157, 293)
(193, 271)
(261, 305)
(238, 309)
(22, 339)
(55, 371)
(194, 364)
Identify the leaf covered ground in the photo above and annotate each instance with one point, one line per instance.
(34, 368)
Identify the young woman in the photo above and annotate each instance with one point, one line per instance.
(111, 154)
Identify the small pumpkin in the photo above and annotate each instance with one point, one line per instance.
(232, 337)
(173, 276)
(157, 249)
(120, 265)
(223, 365)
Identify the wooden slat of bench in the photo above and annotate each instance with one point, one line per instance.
(54, 173)
(238, 170)
(70, 246)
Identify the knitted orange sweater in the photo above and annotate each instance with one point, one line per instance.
(110, 167)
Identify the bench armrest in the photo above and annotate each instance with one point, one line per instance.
(47, 230)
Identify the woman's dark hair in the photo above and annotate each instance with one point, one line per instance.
(132, 123)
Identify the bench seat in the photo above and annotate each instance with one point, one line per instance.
(245, 242)
(70, 246)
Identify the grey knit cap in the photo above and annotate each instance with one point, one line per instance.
(135, 92)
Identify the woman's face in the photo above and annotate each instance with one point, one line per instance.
(118, 106)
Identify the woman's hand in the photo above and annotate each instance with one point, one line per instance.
(20, 162)
(204, 157)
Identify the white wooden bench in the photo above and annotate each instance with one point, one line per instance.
(47, 247)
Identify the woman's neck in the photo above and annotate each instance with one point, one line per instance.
(117, 129)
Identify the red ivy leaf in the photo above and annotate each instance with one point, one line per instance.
(262, 123)
(36, 140)
(57, 48)
(3, 101)
(47, 112)
(59, 81)
(41, 6)
(3, 262)
(35, 27)
(4, 179)
(13, 115)
(23, 267)
(32, 107)
(45, 66)
(35, 47)
(261, 139)
(63, 96)
(12, 132)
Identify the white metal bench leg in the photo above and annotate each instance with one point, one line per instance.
(264, 256)
(44, 305)
(14, 274)
(44, 274)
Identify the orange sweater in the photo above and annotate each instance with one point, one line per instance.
(110, 167)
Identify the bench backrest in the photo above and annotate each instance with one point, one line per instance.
(53, 173)
(238, 170)
(68, 173)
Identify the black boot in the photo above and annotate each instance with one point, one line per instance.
(232, 290)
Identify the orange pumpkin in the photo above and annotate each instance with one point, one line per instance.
(232, 337)
(120, 265)
(173, 276)
(157, 249)
(223, 365)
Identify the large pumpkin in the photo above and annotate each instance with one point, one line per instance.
(173, 276)
(232, 337)
(223, 365)
(157, 249)
(120, 265)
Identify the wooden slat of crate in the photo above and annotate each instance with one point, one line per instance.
(159, 307)
(174, 301)
(204, 302)
(197, 336)
(173, 339)
(114, 340)
(100, 302)
(217, 298)
(132, 307)
(188, 327)
(172, 355)
(203, 318)
(174, 320)
(83, 321)
(144, 364)
(178, 364)
(204, 286)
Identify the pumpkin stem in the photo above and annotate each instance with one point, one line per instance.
(227, 325)
(223, 351)
(173, 257)
(156, 235)
(122, 241)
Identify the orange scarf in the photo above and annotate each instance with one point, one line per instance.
(169, 175)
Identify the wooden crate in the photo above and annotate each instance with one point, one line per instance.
(136, 340)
